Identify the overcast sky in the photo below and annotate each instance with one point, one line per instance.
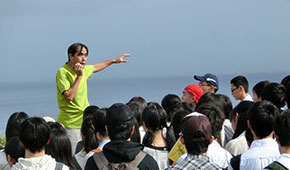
(164, 37)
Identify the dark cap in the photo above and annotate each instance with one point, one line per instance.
(119, 113)
(210, 78)
(193, 123)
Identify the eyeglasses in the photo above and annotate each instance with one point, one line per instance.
(200, 84)
(234, 89)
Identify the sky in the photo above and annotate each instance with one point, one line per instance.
(164, 37)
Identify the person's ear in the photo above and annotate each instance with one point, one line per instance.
(48, 141)
(132, 131)
(249, 125)
(211, 139)
(277, 138)
(181, 140)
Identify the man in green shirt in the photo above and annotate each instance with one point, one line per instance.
(71, 81)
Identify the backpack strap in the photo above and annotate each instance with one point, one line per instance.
(276, 166)
(138, 158)
(77, 165)
(100, 160)
(58, 166)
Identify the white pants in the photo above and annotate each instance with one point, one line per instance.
(74, 137)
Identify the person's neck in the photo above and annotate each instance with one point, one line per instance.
(102, 138)
(267, 137)
(244, 95)
(29, 154)
(158, 140)
(284, 149)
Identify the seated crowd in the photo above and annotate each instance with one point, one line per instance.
(254, 135)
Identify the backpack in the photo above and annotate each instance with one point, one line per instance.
(276, 166)
(103, 164)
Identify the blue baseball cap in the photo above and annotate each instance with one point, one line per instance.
(210, 78)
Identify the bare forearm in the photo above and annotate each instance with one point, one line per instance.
(103, 65)
(71, 92)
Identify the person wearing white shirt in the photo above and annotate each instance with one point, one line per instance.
(264, 149)
(240, 88)
(282, 131)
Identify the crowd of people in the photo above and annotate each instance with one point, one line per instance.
(253, 135)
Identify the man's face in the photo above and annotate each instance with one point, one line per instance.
(206, 87)
(186, 97)
(235, 92)
(80, 56)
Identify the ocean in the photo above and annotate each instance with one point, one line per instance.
(39, 98)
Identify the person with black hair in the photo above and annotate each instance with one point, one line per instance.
(196, 135)
(240, 88)
(225, 105)
(239, 118)
(171, 103)
(264, 149)
(14, 150)
(13, 128)
(176, 122)
(71, 82)
(282, 131)
(275, 93)
(120, 150)
(287, 96)
(216, 152)
(137, 105)
(59, 146)
(88, 139)
(35, 135)
(257, 90)
(159, 138)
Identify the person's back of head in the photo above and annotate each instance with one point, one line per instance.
(257, 90)
(226, 104)
(90, 111)
(215, 116)
(120, 121)
(138, 110)
(190, 107)
(262, 117)
(155, 118)
(176, 121)
(14, 149)
(171, 104)
(239, 117)
(99, 122)
(286, 81)
(240, 81)
(282, 128)
(196, 133)
(34, 134)
(275, 93)
(287, 96)
(89, 136)
(13, 126)
(59, 146)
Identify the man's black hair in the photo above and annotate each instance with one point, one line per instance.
(215, 116)
(241, 81)
(73, 49)
(34, 134)
(275, 93)
(262, 117)
(196, 148)
(282, 128)
(258, 88)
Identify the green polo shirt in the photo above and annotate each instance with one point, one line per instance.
(71, 112)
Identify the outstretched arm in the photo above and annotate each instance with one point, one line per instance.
(105, 64)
